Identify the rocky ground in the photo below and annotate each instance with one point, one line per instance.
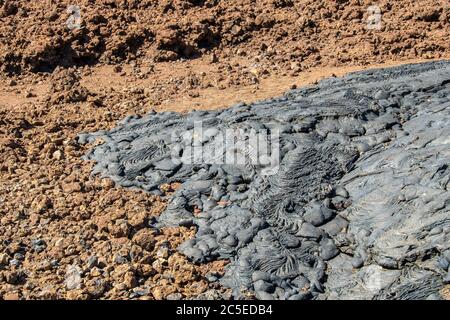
(65, 234)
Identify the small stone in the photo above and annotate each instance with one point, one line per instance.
(95, 272)
(29, 94)
(119, 259)
(295, 67)
(14, 262)
(212, 277)
(95, 101)
(174, 296)
(446, 280)
(145, 239)
(158, 264)
(76, 294)
(19, 256)
(107, 184)
(92, 262)
(261, 295)
(96, 287)
(340, 191)
(72, 187)
(130, 280)
(300, 296)
(38, 245)
(241, 53)
(446, 255)
(163, 253)
(141, 291)
(254, 71)
(158, 293)
(40, 204)
(44, 265)
(12, 278)
(4, 259)
(194, 94)
(260, 275)
(73, 277)
(59, 242)
(58, 155)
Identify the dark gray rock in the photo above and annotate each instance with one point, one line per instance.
(356, 206)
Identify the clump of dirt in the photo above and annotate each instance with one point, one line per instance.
(65, 87)
(293, 35)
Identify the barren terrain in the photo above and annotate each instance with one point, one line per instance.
(67, 234)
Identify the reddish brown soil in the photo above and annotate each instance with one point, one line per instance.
(131, 57)
(273, 33)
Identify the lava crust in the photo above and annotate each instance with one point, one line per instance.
(358, 205)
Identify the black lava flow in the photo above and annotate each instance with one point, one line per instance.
(358, 208)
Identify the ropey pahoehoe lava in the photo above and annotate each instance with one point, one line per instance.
(358, 208)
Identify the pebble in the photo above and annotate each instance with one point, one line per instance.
(14, 262)
(446, 255)
(38, 245)
(19, 256)
(58, 155)
(72, 187)
(446, 279)
(73, 279)
(300, 296)
(145, 239)
(341, 191)
(141, 291)
(174, 296)
(119, 259)
(163, 253)
(92, 262)
(212, 277)
(4, 259)
(44, 265)
(29, 94)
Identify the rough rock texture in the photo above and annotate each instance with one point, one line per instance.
(292, 35)
(359, 206)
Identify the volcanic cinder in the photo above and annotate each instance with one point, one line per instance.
(357, 207)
